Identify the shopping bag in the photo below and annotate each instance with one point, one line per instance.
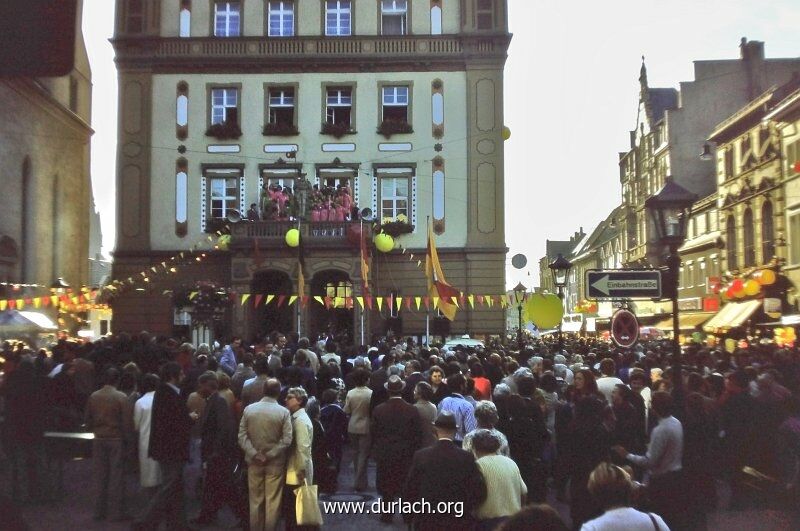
(306, 505)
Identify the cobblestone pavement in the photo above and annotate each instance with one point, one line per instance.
(71, 508)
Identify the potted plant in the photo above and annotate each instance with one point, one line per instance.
(224, 131)
(396, 226)
(280, 129)
(337, 130)
(394, 127)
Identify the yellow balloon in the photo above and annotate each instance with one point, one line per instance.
(506, 133)
(384, 243)
(293, 237)
(766, 277)
(751, 287)
(545, 311)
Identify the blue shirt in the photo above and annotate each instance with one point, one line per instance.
(463, 411)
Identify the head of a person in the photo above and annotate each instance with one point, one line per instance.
(301, 358)
(150, 383)
(412, 367)
(296, 399)
(360, 377)
(207, 384)
(328, 397)
(223, 381)
(436, 375)
(457, 383)
(171, 372)
(736, 382)
(585, 382)
(610, 486)
(607, 367)
(549, 382)
(536, 517)
(423, 391)
(476, 370)
(485, 443)
(486, 414)
(272, 388)
(445, 425)
(395, 385)
(662, 404)
(526, 385)
(638, 381)
(261, 366)
(111, 376)
(619, 395)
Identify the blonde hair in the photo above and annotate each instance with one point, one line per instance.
(610, 485)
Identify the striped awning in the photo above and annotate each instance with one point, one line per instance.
(732, 315)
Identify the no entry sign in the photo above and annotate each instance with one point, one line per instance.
(624, 328)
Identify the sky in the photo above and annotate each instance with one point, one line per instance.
(571, 95)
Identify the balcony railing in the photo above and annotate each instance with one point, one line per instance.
(294, 50)
(313, 234)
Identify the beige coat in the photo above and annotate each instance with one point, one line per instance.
(266, 427)
(356, 404)
(300, 453)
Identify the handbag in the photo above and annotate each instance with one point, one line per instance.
(306, 505)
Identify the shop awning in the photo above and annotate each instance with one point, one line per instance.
(731, 315)
(686, 321)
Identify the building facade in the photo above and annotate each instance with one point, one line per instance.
(45, 147)
(399, 102)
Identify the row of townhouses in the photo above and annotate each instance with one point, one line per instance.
(732, 137)
(398, 102)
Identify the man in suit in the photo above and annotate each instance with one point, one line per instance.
(445, 473)
(396, 434)
(413, 377)
(218, 450)
(253, 389)
(265, 435)
(169, 445)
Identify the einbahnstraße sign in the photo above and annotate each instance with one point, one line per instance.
(623, 283)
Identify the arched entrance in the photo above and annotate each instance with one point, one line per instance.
(337, 319)
(267, 318)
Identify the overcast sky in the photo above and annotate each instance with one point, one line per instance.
(571, 96)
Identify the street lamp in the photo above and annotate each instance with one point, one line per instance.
(59, 286)
(560, 268)
(669, 211)
(519, 295)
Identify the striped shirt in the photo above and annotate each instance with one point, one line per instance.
(463, 411)
(504, 486)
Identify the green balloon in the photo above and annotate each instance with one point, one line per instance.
(545, 311)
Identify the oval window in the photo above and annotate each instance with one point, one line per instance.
(181, 196)
(182, 110)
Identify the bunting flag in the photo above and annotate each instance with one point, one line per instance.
(269, 299)
(435, 303)
(398, 301)
(380, 303)
(319, 299)
(471, 299)
(304, 300)
(281, 299)
(245, 297)
(437, 284)
(368, 298)
(360, 302)
(407, 300)
(257, 300)
(292, 299)
(427, 300)
(3, 305)
(192, 295)
(418, 300)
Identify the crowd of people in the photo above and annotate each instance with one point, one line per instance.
(628, 438)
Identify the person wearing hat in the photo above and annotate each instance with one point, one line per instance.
(445, 473)
(396, 431)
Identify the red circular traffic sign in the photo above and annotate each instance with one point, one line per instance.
(624, 328)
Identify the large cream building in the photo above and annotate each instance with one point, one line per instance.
(44, 146)
(218, 99)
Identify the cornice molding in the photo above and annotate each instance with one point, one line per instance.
(312, 53)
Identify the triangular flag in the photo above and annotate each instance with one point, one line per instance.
(304, 300)
(245, 297)
(318, 299)
(368, 298)
(46, 301)
(418, 300)
(398, 301)
(503, 301)
(192, 295)
(360, 302)
(327, 301)
(462, 300)
(453, 301)
(37, 302)
(153, 268)
(257, 299)
(435, 302)
(427, 301)
(54, 300)
(471, 299)
(489, 300)
(12, 304)
(380, 303)
(3, 305)
(20, 304)
(281, 299)
(292, 299)
(408, 302)
(269, 299)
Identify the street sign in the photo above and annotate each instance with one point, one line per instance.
(624, 328)
(623, 283)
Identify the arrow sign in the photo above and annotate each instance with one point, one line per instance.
(623, 283)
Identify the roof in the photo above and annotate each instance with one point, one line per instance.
(661, 100)
(556, 246)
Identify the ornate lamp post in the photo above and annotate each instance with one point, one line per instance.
(668, 210)
(519, 295)
(560, 268)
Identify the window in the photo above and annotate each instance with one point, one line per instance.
(701, 273)
(224, 196)
(227, 20)
(281, 105)
(280, 175)
(729, 162)
(395, 104)
(749, 239)
(185, 19)
(134, 22)
(337, 18)
(730, 242)
(436, 19)
(484, 14)
(394, 197)
(767, 233)
(224, 105)
(280, 19)
(792, 158)
(794, 236)
(394, 17)
(339, 292)
(339, 106)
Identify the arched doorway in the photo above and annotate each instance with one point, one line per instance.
(267, 318)
(337, 319)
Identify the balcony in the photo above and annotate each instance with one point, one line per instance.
(305, 53)
(271, 234)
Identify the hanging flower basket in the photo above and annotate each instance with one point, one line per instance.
(396, 227)
(394, 127)
(224, 131)
(336, 130)
(280, 129)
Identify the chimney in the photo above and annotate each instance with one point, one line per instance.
(751, 50)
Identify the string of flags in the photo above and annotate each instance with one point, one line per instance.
(69, 300)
